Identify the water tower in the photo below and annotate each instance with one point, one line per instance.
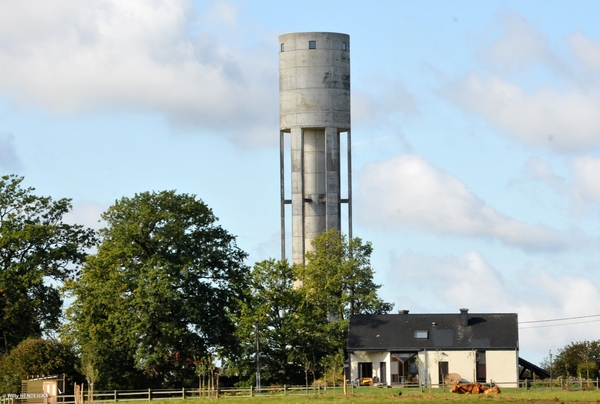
(314, 108)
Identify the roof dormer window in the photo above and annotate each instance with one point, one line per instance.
(421, 334)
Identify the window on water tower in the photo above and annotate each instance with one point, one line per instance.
(312, 44)
(282, 47)
(344, 47)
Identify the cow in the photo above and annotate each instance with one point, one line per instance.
(474, 388)
(492, 390)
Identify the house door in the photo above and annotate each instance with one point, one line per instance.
(382, 372)
(365, 369)
(49, 388)
(442, 371)
(481, 367)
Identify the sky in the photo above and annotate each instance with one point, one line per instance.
(475, 135)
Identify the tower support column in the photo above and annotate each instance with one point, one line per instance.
(298, 230)
(332, 167)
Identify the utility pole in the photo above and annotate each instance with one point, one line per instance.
(550, 354)
(257, 360)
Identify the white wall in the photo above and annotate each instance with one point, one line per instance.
(375, 358)
(461, 362)
(501, 366)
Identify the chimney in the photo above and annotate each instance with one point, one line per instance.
(402, 311)
(464, 317)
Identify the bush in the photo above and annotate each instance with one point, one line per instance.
(35, 357)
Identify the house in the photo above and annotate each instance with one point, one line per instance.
(425, 348)
(42, 390)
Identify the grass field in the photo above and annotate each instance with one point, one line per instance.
(411, 396)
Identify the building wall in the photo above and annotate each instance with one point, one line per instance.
(501, 366)
(375, 358)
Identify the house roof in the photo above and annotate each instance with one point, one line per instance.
(396, 332)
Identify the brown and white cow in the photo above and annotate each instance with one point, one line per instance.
(474, 388)
(492, 390)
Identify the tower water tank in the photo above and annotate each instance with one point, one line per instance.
(314, 108)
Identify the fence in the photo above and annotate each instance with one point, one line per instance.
(570, 383)
(113, 396)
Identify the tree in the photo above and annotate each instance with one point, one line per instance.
(159, 293)
(337, 282)
(577, 357)
(302, 329)
(35, 357)
(339, 279)
(276, 316)
(38, 251)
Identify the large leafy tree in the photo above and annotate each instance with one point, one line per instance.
(301, 312)
(159, 294)
(277, 317)
(38, 252)
(337, 282)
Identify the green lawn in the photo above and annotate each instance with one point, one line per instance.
(411, 396)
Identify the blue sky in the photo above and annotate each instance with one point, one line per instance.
(476, 134)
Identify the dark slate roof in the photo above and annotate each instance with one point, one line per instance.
(396, 332)
(526, 365)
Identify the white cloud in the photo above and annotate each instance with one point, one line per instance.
(221, 12)
(585, 186)
(382, 100)
(551, 119)
(9, 159)
(407, 190)
(454, 282)
(445, 284)
(74, 55)
(586, 50)
(539, 170)
(562, 115)
(520, 46)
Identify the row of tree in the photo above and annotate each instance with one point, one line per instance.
(161, 291)
(577, 359)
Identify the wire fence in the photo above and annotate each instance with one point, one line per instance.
(570, 383)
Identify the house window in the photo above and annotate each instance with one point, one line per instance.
(421, 334)
(365, 369)
(312, 44)
(282, 47)
(344, 47)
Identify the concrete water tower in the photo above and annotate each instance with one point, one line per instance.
(314, 108)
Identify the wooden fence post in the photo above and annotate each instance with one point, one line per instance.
(218, 377)
(149, 395)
